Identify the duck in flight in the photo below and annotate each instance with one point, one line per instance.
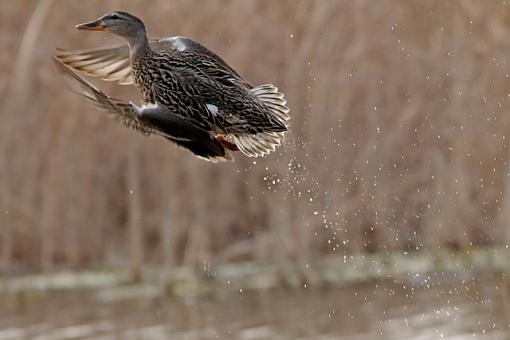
(191, 96)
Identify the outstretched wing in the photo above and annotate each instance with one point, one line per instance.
(117, 109)
(154, 119)
(111, 63)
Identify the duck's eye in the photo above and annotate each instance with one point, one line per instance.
(114, 17)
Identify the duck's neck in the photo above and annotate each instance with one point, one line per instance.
(138, 45)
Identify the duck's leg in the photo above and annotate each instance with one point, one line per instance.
(227, 144)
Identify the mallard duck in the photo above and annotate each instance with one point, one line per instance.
(184, 82)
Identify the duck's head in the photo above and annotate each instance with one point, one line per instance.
(120, 23)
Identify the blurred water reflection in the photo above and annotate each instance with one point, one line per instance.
(452, 309)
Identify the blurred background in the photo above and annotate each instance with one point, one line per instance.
(384, 215)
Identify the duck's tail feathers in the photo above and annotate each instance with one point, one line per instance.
(274, 101)
(262, 143)
(259, 144)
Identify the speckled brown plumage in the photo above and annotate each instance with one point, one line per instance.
(186, 82)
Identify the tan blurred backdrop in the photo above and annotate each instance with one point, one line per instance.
(399, 137)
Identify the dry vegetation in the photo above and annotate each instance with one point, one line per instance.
(399, 137)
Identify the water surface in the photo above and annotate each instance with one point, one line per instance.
(431, 307)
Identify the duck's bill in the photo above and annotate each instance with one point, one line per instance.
(96, 25)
